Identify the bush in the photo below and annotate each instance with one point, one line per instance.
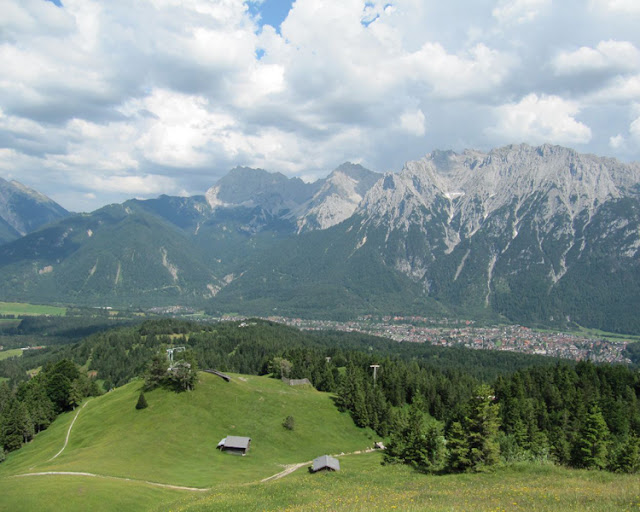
(142, 402)
(289, 423)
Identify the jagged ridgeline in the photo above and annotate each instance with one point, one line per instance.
(537, 235)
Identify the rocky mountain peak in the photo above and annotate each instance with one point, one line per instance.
(244, 186)
(475, 184)
(24, 210)
(337, 198)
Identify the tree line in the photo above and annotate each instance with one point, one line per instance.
(441, 409)
(32, 405)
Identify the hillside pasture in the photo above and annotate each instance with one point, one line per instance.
(174, 440)
(6, 354)
(24, 309)
(138, 457)
(364, 484)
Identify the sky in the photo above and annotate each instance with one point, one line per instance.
(104, 101)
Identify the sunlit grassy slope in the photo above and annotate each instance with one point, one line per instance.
(174, 440)
(19, 308)
(363, 484)
(6, 354)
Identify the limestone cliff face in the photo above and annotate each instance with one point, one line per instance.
(337, 198)
(476, 226)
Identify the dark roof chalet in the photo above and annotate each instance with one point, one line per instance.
(325, 462)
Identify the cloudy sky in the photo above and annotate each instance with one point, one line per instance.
(106, 100)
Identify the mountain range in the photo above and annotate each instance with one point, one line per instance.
(537, 235)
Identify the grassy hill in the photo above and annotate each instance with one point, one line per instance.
(139, 457)
(174, 440)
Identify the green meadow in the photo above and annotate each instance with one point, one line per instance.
(139, 458)
(19, 308)
(364, 484)
(6, 354)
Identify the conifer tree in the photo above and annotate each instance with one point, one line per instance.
(628, 457)
(483, 427)
(593, 438)
(142, 402)
(458, 447)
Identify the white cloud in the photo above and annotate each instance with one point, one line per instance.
(413, 122)
(519, 11)
(621, 89)
(618, 6)
(538, 119)
(144, 185)
(182, 90)
(478, 70)
(634, 130)
(606, 56)
(617, 141)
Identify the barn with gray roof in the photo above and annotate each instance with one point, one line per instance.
(236, 445)
(326, 462)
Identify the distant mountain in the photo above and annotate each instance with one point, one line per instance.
(307, 206)
(23, 210)
(536, 235)
(337, 198)
(539, 235)
(249, 188)
(115, 255)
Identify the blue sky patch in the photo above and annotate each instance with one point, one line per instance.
(272, 12)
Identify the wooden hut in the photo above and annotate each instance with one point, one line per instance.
(235, 444)
(326, 462)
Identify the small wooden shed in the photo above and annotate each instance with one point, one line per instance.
(236, 445)
(325, 462)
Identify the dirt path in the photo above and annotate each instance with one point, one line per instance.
(288, 470)
(66, 441)
(93, 475)
(292, 467)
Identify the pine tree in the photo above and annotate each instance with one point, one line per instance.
(483, 427)
(157, 371)
(591, 445)
(628, 457)
(458, 447)
(142, 402)
(418, 440)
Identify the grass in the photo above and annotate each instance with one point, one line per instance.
(79, 494)
(6, 354)
(18, 308)
(611, 336)
(174, 441)
(363, 484)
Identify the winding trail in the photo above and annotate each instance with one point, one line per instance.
(66, 441)
(290, 468)
(94, 475)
